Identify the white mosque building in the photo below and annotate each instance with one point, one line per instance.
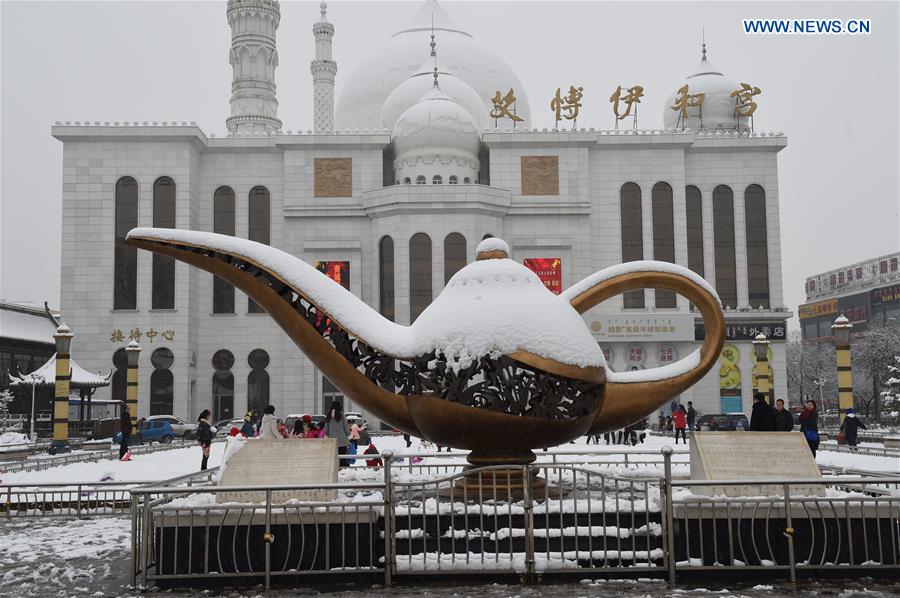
(402, 176)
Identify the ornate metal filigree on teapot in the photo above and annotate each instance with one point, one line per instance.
(497, 364)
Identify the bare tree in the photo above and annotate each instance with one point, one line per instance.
(873, 354)
(811, 371)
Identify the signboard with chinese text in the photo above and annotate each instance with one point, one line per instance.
(117, 335)
(819, 308)
(885, 295)
(673, 327)
(339, 272)
(549, 270)
(666, 354)
(747, 331)
(635, 356)
(855, 307)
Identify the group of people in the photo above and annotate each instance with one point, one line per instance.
(683, 420)
(349, 436)
(766, 419)
(633, 434)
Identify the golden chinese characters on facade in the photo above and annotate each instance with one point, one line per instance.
(502, 104)
(685, 100)
(743, 103)
(633, 96)
(567, 107)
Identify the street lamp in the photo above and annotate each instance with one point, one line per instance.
(841, 330)
(132, 351)
(35, 379)
(761, 350)
(60, 442)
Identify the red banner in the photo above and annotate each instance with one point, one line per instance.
(549, 270)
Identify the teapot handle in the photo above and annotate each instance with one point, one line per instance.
(631, 396)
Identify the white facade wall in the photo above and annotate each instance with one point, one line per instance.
(581, 226)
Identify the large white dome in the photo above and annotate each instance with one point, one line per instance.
(436, 136)
(411, 91)
(718, 105)
(363, 93)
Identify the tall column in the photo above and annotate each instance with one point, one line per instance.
(253, 58)
(841, 329)
(60, 442)
(133, 351)
(761, 351)
(323, 70)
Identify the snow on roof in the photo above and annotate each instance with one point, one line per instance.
(24, 322)
(81, 378)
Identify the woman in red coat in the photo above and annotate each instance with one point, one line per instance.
(679, 422)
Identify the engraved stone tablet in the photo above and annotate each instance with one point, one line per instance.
(749, 456)
(281, 462)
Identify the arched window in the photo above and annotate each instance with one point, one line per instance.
(406, 180)
(419, 274)
(163, 265)
(223, 223)
(454, 255)
(125, 260)
(632, 236)
(386, 277)
(663, 235)
(162, 382)
(723, 241)
(223, 385)
(120, 375)
(420, 180)
(259, 211)
(757, 246)
(466, 180)
(694, 213)
(258, 381)
(453, 180)
(437, 180)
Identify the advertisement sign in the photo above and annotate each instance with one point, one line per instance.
(674, 327)
(819, 308)
(666, 354)
(549, 270)
(855, 307)
(730, 379)
(885, 295)
(339, 272)
(747, 331)
(608, 354)
(635, 356)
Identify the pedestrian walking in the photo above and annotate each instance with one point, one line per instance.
(204, 436)
(268, 427)
(125, 428)
(809, 425)
(784, 420)
(679, 421)
(762, 418)
(691, 416)
(850, 428)
(407, 439)
(336, 427)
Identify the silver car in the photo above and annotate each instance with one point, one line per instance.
(179, 426)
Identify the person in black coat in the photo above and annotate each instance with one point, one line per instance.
(762, 418)
(850, 428)
(784, 419)
(204, 436)
(809, 425)
(125, 428)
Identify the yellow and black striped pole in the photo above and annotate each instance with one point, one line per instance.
(60, 442)
(133, 351)
(841, 330)
(761, 351)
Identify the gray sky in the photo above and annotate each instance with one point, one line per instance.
(836, 97)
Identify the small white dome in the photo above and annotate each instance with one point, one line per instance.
(718, 104)
(436, 137)
(410, 91)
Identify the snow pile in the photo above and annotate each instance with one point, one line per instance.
(14, 440)
(492, 244)
(232, 445)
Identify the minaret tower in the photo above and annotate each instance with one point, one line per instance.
(323, 70)
(253, 58)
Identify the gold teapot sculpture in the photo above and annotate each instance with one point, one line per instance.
(497, 364)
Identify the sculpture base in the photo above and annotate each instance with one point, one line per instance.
(506, 478)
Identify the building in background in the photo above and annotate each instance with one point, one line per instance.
(432, 152)
(26, 343)
(864, 292)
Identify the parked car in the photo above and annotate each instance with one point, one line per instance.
(723, 422)
(156, 430)
(179, 426)
(223, 428)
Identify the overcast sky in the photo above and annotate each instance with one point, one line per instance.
(835, 97)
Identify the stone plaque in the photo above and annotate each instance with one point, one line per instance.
(540, 175)
(749, 456)
(281, 462)
(333, 177)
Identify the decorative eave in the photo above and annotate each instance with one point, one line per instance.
(80, 378)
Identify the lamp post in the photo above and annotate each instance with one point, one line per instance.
(132, 351)
(60, 442)
(841, 330)
(761, 350)
(35, 379)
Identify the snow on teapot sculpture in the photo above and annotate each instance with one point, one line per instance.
(497, 362)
